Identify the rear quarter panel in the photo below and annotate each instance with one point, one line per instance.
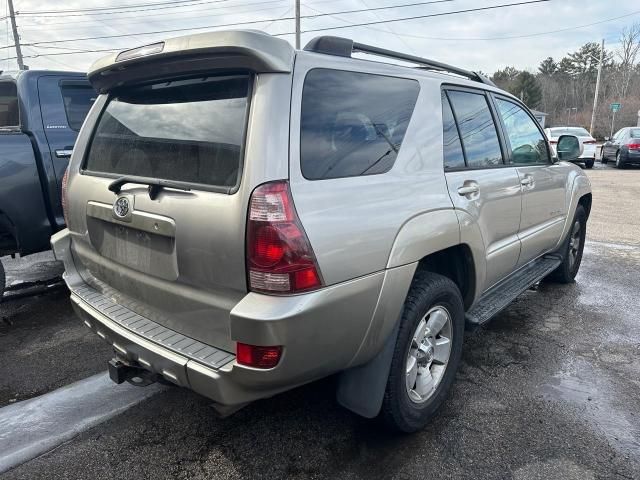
(355, 223)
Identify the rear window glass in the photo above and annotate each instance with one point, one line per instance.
(580, 132)
(187, 131)
(353, 123)
(77, 102)
(9, 116)
(635, 133)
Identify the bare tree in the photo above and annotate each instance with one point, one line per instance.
(628, 54)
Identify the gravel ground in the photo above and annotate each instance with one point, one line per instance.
(549, 389)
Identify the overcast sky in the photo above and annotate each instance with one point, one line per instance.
(467, 39)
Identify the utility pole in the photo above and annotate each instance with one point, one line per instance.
(595, 97)
(16, 37)
(297, 24)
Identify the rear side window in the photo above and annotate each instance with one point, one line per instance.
(187, 131)
(479, 135)
(453, 155)
(353, 123)
(9, 116)
(77, 102)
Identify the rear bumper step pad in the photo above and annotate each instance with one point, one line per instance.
(152, 331)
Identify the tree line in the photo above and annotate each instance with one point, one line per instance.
(565, 89)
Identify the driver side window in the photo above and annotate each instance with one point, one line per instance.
(528, 144)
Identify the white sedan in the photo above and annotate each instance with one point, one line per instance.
(588, 143)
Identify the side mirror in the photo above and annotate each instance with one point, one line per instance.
(569, 148)
(606, 139)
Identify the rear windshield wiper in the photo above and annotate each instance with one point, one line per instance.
(155, 185)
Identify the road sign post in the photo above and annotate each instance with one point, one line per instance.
(615, 107)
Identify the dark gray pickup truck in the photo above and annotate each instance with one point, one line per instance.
(40, 115)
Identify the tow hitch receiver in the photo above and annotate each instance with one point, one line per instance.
(119, 372)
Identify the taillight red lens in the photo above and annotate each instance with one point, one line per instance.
(553, 142)
(634, 146)
(64, 201)
(589, 142)
(257, 356)
(279, 256)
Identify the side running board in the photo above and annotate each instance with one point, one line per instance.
(500, 296)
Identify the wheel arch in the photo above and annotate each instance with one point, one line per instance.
(361, 387)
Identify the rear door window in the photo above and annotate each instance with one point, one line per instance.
(478, 130)
(187, 131)
(353, 123)
(9, 116)
(453, 155)
(77, 102)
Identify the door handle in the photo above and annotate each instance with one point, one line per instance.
(527, 181)
(63, 153)
(468, 190)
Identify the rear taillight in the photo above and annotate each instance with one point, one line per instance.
(280, 259)
(257, 356)
(589, 142)
(634, 146)
(64, 201)
(553, 142)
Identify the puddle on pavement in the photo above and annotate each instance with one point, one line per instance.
(583, 386)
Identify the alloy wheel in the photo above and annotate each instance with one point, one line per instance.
(428, 354)
(574, 245)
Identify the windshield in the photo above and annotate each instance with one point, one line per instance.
(580, 132)
(187, 131)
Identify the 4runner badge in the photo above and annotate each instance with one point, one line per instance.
(121, 207)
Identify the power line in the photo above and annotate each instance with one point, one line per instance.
(516, 36)
(53, 15)
(478, 9)
(102, 37)
(200, 14)
(93, 9)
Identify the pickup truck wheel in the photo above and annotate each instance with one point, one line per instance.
(427, 353)
(572, 249)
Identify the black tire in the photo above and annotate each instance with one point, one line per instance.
(570, 265)
(2, 280)
(399, 412)
(619, 163)
(589, 163)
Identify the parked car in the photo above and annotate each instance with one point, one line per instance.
(588, 156)
(623, 148)
(40, 115)
(244, 218)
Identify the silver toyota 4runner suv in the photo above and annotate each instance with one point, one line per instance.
(244, 218)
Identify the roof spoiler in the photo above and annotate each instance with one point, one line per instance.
(201, 53)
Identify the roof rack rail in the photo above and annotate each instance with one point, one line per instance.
(344, 47)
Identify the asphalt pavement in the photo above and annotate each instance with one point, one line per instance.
(549, 389)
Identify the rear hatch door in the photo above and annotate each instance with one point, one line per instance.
(172, 254)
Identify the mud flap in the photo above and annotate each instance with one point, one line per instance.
(361, 389)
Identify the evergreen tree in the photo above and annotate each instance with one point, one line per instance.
(548, 66)
(526, 88)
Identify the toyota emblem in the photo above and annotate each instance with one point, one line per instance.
(121, 207)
